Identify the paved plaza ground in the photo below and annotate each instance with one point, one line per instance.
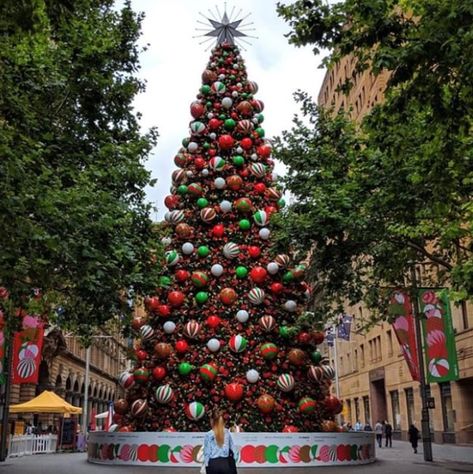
(396, 460)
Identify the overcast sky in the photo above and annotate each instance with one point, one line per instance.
(174, 62)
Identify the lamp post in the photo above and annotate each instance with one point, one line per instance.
(425, 421)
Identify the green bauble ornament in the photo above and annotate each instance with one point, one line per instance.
(182, 189)
(203, 251)
(281, 203)
(229, 124)
(185, 142)
(164, 281)
(260, 132)
(285, 331)
(201, 297)
(260, 118)
(185, 368)
(288, 277)
(202, 202)
(222, 116)
(316, 357)
(241, 272)
(238, 161)
(209, 104)
(244, 95)
(245, 224)
(205, 89)
(206, 145)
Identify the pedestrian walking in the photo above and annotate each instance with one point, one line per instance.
(413, 437)
(378, 429)
(388, 434)
(358, 426)
(218, 448)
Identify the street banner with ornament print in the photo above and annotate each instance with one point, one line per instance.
(401, 314)
(439, 337)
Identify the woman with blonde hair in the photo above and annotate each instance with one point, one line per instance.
(219, 447)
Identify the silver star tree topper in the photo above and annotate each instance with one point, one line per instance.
(225, 29)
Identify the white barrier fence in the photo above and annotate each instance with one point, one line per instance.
(25, 445)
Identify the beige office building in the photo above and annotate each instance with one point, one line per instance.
(375, 383)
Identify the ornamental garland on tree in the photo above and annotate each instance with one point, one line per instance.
(221, 331)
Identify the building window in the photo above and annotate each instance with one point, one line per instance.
(410, 405)
(389, 336)
(464, 310)
(341, 366)
(371, 350)
(355, 360)
(366, 407)
(348, 411)
(362, 350)
(447, 408)
(395, 410)
(357, 410)
(380, 354)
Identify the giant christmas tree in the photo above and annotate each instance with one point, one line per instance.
(223, 330)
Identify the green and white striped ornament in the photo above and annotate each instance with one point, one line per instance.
(217, 163)
(195, 410)
(256, 296)
(261, 218)
(172, 257)
(238, 343)
(286, 382)
(219, 87)
(197, 127)
(258, 169)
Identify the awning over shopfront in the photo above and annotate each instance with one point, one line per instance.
(46, 402)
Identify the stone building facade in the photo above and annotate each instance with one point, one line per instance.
(65, 374)
(375, 383)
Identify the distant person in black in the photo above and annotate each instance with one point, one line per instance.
(414, 437)
(388, 433)
(367, 427)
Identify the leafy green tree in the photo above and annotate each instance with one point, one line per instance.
(73, 217)
(404, 193)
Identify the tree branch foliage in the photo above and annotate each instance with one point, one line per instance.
(372, 198)
(73, 216)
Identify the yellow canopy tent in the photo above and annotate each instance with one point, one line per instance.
(46, 402)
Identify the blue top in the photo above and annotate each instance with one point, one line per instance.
(212, 450)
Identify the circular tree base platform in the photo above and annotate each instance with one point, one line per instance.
(253, 449)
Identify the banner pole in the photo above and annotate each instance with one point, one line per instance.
(8, 384)
(426, 438)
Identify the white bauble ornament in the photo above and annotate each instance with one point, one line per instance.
(235, 94)
(166, 241)
(290, 306)
(213, 135)
(217, 270)
(192, 147)
(264, 233)
(167, 216)
(274, 176)
(187, 248)
(226, 206)
(239, 150)
(210, 115)
(272, 268)
(252, 376)
(239, 84)
(169, 327)
(213, 345)
(205, 172)
(254, 156)
(221, 77)
(242, 316)
(219, 183)
(190, 174)
(227, 102)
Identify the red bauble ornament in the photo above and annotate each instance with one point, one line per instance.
(246, 143)
(266, 403)
(171, 201)
(263, 151)
(121, 406)
(260, 188)
(197, 109)
(304, 337)
(270, 210)
(226, 142)
(183, 230)
(228, 296)
(164, 310)
(163, 350)
(141, 354)
(176, 298)
(213, 321)
(214, 123)
(234, 182)
(333, 404)
(182, 275)
(297, 357)
(218, 230)
(258, 274)
(290, 429)
(277, 288)
(254, 251)
(318, 337)
(152, 303)
(245, 108)
(159, 373)
(181, 346)
(234, 391)
(199, 163)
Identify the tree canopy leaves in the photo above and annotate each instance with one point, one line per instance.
(372, 199)
(73, 217)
